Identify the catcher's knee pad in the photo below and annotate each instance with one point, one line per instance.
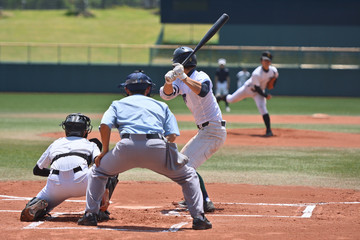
(34, 210)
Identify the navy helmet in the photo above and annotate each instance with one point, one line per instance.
(137, 81)
(181, 53)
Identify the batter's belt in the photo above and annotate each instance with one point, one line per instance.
(223, 123)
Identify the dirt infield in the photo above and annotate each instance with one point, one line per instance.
(144, 210)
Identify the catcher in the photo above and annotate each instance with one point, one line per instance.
(264, 76)
(69, 159)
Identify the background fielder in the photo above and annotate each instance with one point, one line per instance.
(222, 82)
(262, 77)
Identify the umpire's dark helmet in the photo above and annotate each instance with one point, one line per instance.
(137, 82)
(181, 53)
(77, 125)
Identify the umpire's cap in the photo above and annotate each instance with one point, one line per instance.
(137, 81)
(266, 56)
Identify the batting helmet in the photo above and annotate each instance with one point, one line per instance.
(266, 56)
(77, 124)
(181, 53)
(138, 81)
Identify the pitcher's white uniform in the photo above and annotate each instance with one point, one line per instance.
(212, 132)
(64, 182)
(260, 78)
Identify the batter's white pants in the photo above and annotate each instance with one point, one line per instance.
(246, 92)
(204, 144)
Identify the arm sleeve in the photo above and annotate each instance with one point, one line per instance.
(205, 88)
(41, 172)
(259, 91)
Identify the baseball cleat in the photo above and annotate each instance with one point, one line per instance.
(88, 219)
(103, 216)
(201, 223)
(269, 133)
(209, 206)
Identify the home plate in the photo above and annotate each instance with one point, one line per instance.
(137, 207)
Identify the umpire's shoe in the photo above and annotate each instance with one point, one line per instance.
(201, 223)
(88, 219)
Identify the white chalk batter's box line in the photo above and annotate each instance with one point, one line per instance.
(307, 213)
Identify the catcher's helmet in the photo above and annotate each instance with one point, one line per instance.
(77, 125)
(266, 56)
(138, 81)
(181, 53)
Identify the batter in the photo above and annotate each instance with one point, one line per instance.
(196, 89)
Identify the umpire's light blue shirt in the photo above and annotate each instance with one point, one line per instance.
(140, 114)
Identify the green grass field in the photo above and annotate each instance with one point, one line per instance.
(109, 28)
(21, 146)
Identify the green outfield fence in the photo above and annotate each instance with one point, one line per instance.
(236, 56)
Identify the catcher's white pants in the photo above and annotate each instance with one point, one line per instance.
(64, 186)
(204, 144)
(246, 92)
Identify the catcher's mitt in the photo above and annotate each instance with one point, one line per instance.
(271, 83)
(34, 210)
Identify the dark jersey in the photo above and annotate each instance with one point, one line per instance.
(222, 74)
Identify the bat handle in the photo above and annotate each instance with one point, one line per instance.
(188, 58)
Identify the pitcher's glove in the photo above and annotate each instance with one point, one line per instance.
(271, 83)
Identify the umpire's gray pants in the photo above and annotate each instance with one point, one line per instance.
(139, 152)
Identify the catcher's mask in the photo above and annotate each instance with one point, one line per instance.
(137, 82)
(77, 125)
(181, 53)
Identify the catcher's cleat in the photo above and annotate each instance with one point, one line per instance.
(103, 216)
(34, 210)
(201, 223)
(269, 133)
(209, 206)
(88, 219)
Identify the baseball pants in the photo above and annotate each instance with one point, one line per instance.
(139, 152)
(246, 92)
(204, 144)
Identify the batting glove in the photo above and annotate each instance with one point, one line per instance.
(179, 71)
(170, 77)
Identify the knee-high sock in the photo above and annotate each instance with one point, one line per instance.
(266, 118)
(202, 186)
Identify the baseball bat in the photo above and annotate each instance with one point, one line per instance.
(214, 29)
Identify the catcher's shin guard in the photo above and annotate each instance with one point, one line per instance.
(34, 210)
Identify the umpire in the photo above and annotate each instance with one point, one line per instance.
(148, 129)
